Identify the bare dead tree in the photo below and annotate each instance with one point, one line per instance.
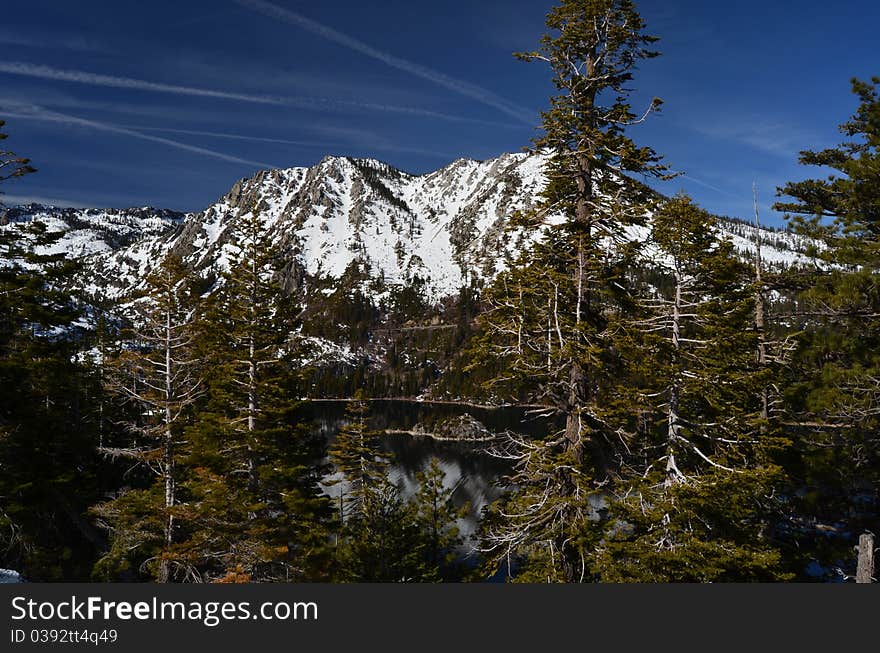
(157, 376)
(865, 570)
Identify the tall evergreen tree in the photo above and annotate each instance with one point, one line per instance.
(382, 537)
(547, 326)
(46, 461)
(259, 507)
(46, 456)
(378, 534)
(695, 500)
(836, 393)
(382, 541)
(390, 539)
(357, 458)
(437, 517)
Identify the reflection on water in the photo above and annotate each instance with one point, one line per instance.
(475, 477)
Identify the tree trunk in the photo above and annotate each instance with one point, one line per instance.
(578, 383)
(760, 326)
(168, 465)
(168, 457)
(865, 570)
(251, 421)
(673, 474)
(252, 367)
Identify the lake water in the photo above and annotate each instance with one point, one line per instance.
(475, 477)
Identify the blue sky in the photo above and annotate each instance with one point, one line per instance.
(129, 103)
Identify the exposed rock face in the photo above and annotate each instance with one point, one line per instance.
(94, 231)
(446, 228)
(443, 227)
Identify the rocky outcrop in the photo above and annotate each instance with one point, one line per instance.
(447, 228)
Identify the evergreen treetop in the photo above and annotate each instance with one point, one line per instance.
(554, 314)
(843, 209)
(12, 165)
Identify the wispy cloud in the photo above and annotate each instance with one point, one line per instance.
(38, 113)
(95, 79)
(50, 42)
(776, 138)
(706, 184)
(310, 103)
(317, 135)
(20, 200)
(170, 111)
(371, 141)
(236, 137)
(461, 87)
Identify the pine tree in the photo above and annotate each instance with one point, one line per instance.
(157, 375)
(547, 327)
(437, 517)
(835, 394)
(378, 535)
(44, 430)
(46, 462)
(695, 500)
(259, 509)
(357, 458)
(12, 165)
(382, 541)
(382, 537)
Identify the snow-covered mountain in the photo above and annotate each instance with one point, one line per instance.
(88, 232)
(445, 227)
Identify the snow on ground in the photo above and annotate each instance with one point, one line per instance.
(445, 226)
(8, 576)
(321, 350)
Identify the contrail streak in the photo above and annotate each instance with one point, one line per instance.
(380, 147)
(705, 184)
(82, 77)
(38, 113)
(461, 87)
(22, 200)
(71, 44)
(310, 103)
(235, 137)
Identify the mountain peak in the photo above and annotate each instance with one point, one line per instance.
(446, 228)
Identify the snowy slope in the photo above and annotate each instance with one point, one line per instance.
(443, 227)
(778, 248)
(88, 232)
(8, 576)
(446, 227)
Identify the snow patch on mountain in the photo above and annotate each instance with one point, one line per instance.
(8, 576)
(447, 227)
(88, 232)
